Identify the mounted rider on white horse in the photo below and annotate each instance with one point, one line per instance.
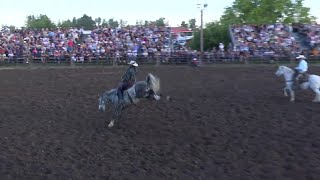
(310, 81)
(300, 70)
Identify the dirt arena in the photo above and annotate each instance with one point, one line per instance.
(221, 123)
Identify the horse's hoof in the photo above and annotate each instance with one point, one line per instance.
(110, 125)
(157, 97)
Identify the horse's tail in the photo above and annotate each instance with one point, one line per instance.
(153, 82)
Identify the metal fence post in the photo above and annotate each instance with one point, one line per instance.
(114, 61)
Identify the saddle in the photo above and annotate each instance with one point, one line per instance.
(131, 93)
(303, 77)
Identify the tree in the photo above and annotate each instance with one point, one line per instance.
(113, 23)
(86, 22)
(266, 11)
(192, 24)
(97, 21)
(213, 34)
(104, 23)
(65, 24)
(122, 23)
(183, 24)
(160, 22)
(74, 21)
(146, 23)
(38, 22)
(301, 14)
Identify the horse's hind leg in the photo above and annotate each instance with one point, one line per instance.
(285, 91)
(317, 96)
(292, 95)
(111, 124)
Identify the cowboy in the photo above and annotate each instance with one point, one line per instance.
(194, 62)
(128, 79)
(301, 69)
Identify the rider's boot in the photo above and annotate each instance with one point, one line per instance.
(295, 85)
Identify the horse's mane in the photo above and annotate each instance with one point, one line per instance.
(285, 68)
(107, 93)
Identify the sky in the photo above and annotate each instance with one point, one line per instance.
(175, 11)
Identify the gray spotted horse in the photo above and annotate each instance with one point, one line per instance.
(147, 89)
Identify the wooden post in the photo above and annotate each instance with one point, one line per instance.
(114, 61)
(157, 59)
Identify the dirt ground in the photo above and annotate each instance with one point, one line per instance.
(221, 123)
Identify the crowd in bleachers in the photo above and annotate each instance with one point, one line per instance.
(78, 45)
(132, 42)
(276, 39)
(260, 40)
(311, 34)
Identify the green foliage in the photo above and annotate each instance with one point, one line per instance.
(146, 23)
(113, 23)
(104, 23)
(266, 12)
(98, 21)
(183, 24)
(86, 22)
(38, 22)
(65, 24)
(74, 21)
(160, 22)
(122, 23)
(213, 34)
(192, 24)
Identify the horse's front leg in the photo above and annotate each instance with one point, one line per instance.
(285, 91)
(292, 94)
(115, 116)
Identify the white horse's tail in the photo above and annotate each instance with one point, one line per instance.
(153, 82)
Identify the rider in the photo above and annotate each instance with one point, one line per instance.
(300, 69)
(128, 79)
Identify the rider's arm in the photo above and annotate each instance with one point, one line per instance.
(299, 67)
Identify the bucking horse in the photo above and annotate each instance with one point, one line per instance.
(147, 89)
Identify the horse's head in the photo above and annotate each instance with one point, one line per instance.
(283, 70)
(280, 71)
(102, 103)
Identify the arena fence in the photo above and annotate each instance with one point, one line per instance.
(155, 60)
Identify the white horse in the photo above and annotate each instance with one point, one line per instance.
(313, 82)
